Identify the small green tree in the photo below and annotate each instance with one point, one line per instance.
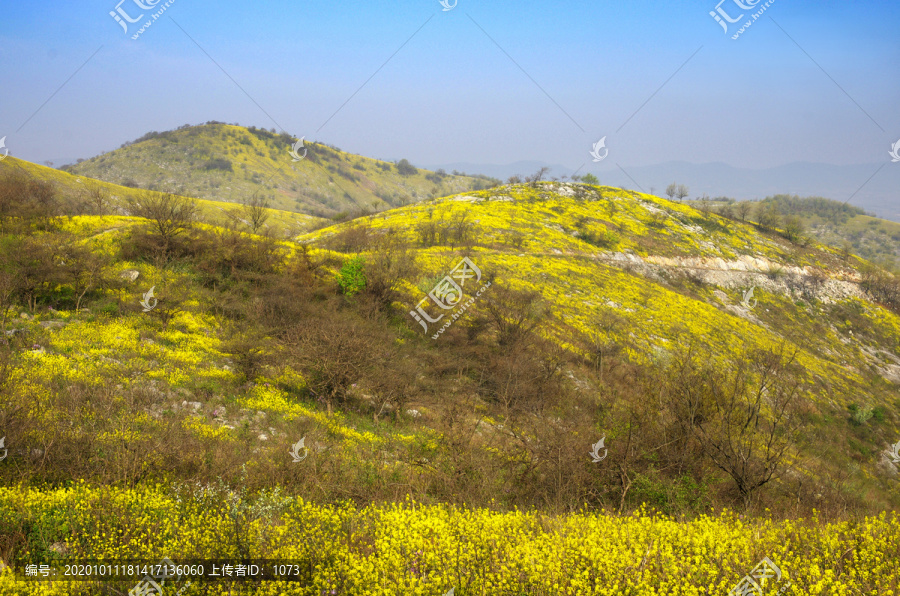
(406, 169)
(352, 278)
(768, 216)
(590, 179)
(794, 229)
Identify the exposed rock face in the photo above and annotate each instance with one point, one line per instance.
(747, 271)
(130, 275)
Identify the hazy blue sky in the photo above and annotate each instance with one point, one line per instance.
(451, 93)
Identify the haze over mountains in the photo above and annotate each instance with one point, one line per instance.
(351, 181)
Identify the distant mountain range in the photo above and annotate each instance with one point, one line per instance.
(873, 186)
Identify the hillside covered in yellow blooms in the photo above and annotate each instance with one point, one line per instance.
(538, 388)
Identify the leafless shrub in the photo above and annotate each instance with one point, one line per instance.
(169, 217)
(354, 239)
(26, 203)
(742, 415)
(514, 314)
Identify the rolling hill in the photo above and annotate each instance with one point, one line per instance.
(471, 350)
(228, 163)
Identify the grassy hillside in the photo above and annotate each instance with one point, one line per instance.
(224, 162)
(81, 195)
(588, 312)
(829, 222)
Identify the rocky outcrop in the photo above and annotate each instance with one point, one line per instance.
(747, 271)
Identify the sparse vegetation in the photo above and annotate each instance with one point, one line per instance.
(256, 342)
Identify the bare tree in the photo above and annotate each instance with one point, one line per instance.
(9, 286)
(334, 352)
(97, 199)
(599, 340)
(82, 268)
(672, 190)
(705, 204)
(514, 313)
(26, 203)
(537, 176)
(170, 215)
(743, 209)
(256, 211)
(35, 263)
(742, 414)
(387, 265)
(682, 192)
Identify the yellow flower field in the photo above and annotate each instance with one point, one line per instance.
(411, 549)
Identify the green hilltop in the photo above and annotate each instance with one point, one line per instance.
(829, 222)
(224, 162)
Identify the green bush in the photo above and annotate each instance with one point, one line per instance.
(218, 163)
(352, 278)
(405, 168)
(669, 495)
(860, 414)
(601, 238)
